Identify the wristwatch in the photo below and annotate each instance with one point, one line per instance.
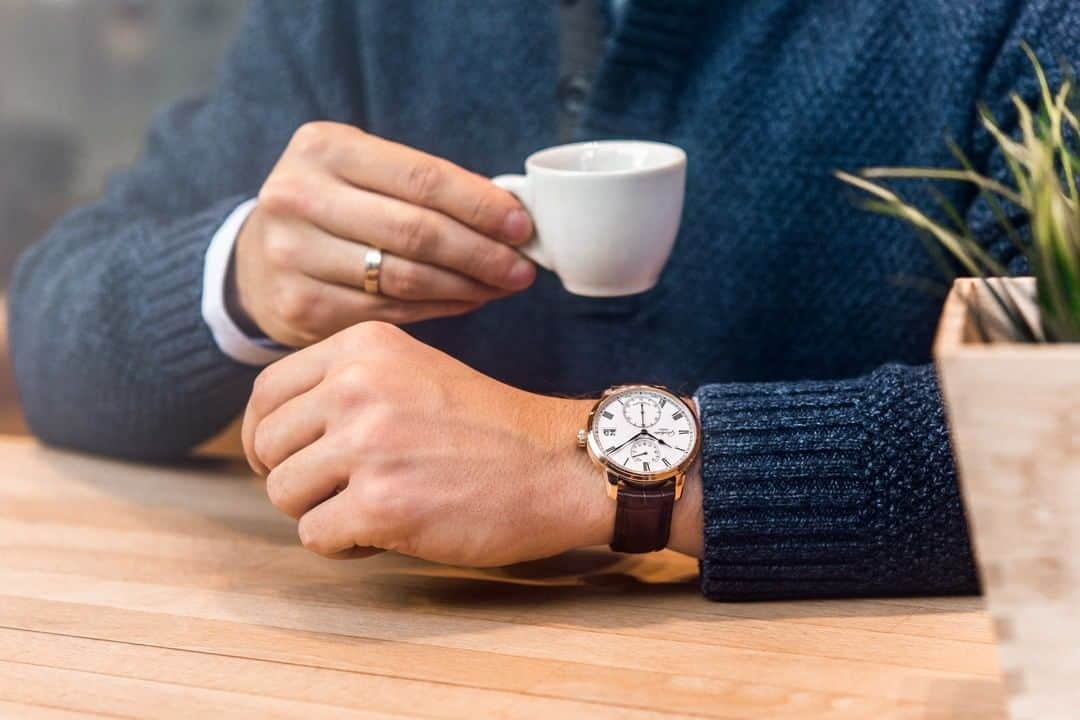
(643, 438)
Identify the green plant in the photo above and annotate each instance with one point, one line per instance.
(1043, 163)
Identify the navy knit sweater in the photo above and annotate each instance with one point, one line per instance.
(827, 468)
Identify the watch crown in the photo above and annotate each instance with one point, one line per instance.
(582, 438)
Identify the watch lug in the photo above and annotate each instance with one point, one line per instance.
(680, 480)
(612, 486)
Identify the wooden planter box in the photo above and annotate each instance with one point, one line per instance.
(1014, 414)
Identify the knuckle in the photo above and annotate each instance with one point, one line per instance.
(491, 261)
(311, 536)
(282, 249)
(371, 339)
(351, 341)
(285, 194)
(275, 488)
(415, 235)
(424, 180)
(360, 340)
(297, 306)
(407, 282)
(262, 442)
(354, 384)
(313, 139)
(261, 389)
(378, 497)
(374, 336)
(482, 209)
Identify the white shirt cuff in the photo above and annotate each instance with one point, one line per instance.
(230, 339)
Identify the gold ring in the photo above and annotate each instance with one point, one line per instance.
(372, 267)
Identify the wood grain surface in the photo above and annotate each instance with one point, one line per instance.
(137, 591)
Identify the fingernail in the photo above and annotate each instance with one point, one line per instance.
(517, 227)
(522, 273)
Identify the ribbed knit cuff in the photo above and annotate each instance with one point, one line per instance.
(788, 499)
(845, 488)
(173, 261)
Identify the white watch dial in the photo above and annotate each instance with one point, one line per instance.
(644, 431)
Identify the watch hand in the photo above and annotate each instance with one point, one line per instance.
(632, 438)
(642, 406)
(646, 432)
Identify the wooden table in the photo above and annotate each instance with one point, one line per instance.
(136, 591)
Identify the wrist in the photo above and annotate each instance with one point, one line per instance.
(687, 518)
(590, 514)
(234, 304)
(246, 280)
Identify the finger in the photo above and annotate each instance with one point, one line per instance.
(409, 280)
(313, 310)
(308, 477)
(247, 440)
(333, 527)
(341, 262)
(334, 308)
(296, 424)
(415, 177)
(287, 378)
(416, 233)
(355, 553)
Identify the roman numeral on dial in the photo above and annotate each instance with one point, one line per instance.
(645, 466)
(677, 416)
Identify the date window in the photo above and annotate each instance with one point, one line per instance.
(608, 432)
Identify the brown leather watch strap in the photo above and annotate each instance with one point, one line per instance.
(642, 517)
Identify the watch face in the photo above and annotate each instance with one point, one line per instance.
(644, 431)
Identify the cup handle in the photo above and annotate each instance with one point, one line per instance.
(519, 186)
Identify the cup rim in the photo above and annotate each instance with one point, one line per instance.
(678, 159)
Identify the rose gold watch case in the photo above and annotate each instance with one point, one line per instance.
(616, 474)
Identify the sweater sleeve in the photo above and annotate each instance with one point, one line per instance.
(839, 488)
(109, 348)
(848, 487)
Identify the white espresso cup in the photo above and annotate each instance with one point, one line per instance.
(606, 213)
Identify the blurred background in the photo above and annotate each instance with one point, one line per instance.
(79, 82)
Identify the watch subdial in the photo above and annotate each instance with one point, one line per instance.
(645, 452)
(641, 412)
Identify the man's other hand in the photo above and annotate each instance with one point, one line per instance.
(373, 440)
(447, 237)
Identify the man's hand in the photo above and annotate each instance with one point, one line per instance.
(337, 191)
(375, 440)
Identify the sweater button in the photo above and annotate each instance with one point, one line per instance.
(572, 93)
